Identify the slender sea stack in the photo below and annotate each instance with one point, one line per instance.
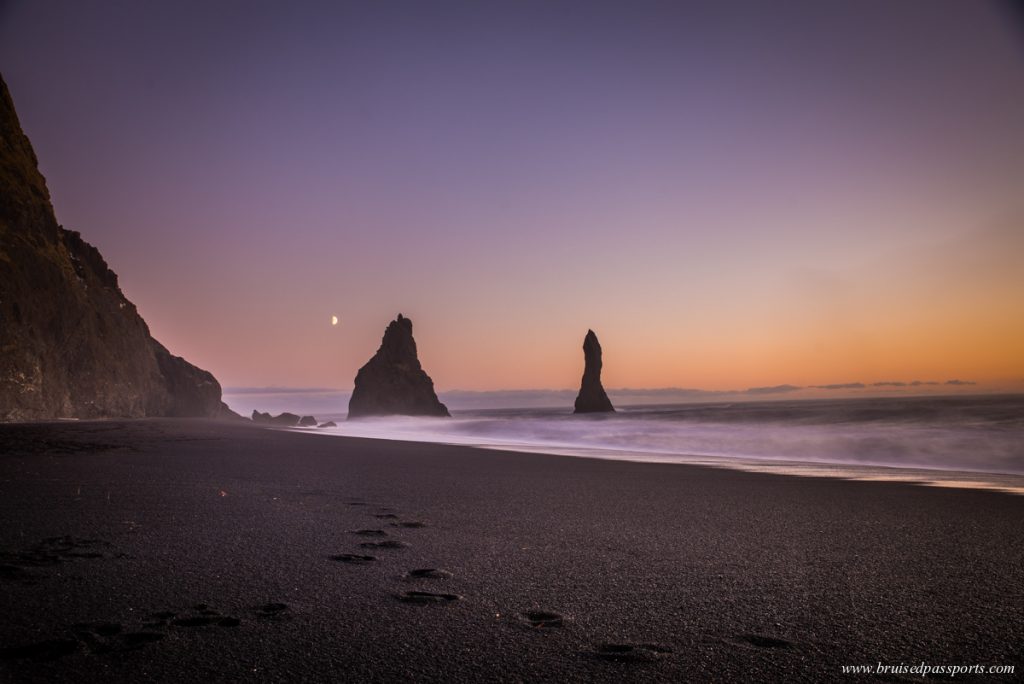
(393, 382)
(71, 344)
(592, 398)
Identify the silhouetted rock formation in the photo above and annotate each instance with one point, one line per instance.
(71, 345)
(307, 421)
(282, 420)
(328, 424)
(592, 398)
(392, 382)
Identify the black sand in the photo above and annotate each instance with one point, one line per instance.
(192, 551)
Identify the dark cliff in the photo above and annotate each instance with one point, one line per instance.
(393, 382)
(71, 344)
(592, 397)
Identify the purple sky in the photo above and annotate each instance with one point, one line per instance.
(730, 194)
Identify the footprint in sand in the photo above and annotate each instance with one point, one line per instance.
(59, 549)
(160, 619)
(272, 611)
(409, 524)
(386, 516)
(426, 597)
(542, 619)
(369, 533)
(100, 638)
(352, 558)
(106, 637)
(429, 573)
(20, 566)
(204, 616)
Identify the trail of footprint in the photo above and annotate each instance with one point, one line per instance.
(369, 533)
(414, 597)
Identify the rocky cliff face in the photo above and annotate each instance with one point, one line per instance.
(393, 382)
(592, 397)
(71, 344)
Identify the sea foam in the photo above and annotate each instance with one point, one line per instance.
(974, 441)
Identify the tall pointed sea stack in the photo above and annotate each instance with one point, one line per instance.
(71, 344)
(393, 382)
(592, 398)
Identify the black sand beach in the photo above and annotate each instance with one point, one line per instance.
(165, 550)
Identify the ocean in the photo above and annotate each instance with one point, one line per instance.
(970, 441)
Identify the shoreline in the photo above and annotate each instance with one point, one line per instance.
(1002, 482)
(977, 480)
(560, 568)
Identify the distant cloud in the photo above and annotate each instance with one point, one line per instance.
(775, 389)
(894, 383)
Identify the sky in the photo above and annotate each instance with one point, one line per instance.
(731, 195)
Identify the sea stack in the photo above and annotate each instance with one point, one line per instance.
(592, 397)
(71, 344)
(393, 382)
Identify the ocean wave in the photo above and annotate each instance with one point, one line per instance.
(958, 434)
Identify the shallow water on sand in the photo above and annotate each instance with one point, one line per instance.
(975, 442)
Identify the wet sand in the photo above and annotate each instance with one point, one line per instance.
(196, 551)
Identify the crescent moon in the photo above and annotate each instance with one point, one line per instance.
(334, 320)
